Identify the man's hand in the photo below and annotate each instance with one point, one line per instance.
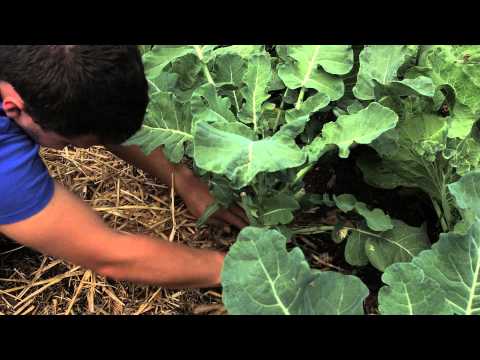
(197, 198)
(193, 191)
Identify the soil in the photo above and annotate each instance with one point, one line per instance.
(342, 176)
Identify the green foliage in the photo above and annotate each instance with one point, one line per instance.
(428, 149)
(450, 270)
(255, 119)
(233, 150)
(168, 123)
(261, 277)
(410, 292)
(376, 218)
(384, 248)
(379, 67)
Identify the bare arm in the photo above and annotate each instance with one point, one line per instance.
(69, 229)
(156, 164)
(192, 190)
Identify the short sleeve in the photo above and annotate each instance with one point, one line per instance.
(26, 187)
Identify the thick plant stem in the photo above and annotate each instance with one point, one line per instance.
(443, 223)
(244, 205)
(280, 109)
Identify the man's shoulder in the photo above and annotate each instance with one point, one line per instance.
(15, 145)
(25, 185)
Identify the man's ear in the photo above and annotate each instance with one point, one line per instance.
(13, 107)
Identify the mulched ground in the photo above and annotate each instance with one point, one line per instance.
(129, 201)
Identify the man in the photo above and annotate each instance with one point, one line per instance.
(59, 95)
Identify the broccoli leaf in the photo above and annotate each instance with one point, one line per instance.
(261, 277)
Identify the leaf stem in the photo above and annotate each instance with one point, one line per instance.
(246, 208)
(301, 174)
(206, 72)
(446, 207)
(440, 215)
(298, 105)
(280, 109)
(236, 101)
(312, 230)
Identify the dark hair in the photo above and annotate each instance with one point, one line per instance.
(79, 89)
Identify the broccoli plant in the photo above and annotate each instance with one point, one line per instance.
(254, 120)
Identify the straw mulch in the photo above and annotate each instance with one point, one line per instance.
(130, 201)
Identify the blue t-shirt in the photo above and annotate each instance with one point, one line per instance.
(25, 185)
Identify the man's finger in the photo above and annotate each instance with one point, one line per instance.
(231, 218)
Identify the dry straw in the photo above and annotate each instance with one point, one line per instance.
(128, 201)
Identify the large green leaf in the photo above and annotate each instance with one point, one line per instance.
(302, 69)
(410, 292)
(313, 104)
(279, 209)
(261, 278)
(257, 79)
(245, 51)
(334, 59)
(167, 123)
(188, 70)
(422, 130)
(449, 68)
(330, 85)
(420, 85)
(393, 172)
(355, 253)
(206, 104)
(461, 121)
(160, 56)
(409, 152)
(454, 263)
(228, 71)
(379, 64)
(467, 192)
(382, 249)
(362, 127)
(185, 62)
(400, 244)
(232, 149)
(165, 82)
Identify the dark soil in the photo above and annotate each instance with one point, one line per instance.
(342, 176)
(409, 205)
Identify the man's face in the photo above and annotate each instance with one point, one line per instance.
(13, 106)
(51, 139)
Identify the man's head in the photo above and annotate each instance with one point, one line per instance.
(74, 94)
